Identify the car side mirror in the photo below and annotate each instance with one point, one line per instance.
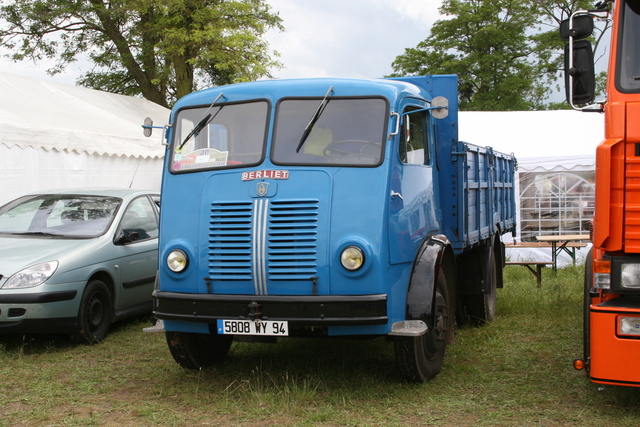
(579, 77)
(582, 27)
(125, 237)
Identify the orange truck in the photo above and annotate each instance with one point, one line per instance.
(612, 271)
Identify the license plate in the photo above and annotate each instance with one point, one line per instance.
(253, 327)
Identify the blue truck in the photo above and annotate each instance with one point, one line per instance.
(328, 207)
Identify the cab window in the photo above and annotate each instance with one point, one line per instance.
(414, 147)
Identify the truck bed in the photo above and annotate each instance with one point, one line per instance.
(483, 195)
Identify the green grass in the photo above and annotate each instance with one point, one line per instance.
(514, 371)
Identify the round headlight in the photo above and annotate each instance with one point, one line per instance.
(352, 258)
(177, 260)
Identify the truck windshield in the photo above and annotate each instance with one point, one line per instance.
(229, 135)
(629, 49)
(349, 132)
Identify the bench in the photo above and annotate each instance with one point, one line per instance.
(542, 245)
(530, 265)
(569, 247)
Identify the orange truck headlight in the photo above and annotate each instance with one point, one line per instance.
(630, 276)
(629, 326)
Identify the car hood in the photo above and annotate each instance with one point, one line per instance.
(19, 253)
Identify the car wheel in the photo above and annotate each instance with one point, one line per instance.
(94, 316)
(197, 351)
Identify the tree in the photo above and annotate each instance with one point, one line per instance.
(160, 49)
(501, 51)
(551, 50)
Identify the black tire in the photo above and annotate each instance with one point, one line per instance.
(198, 351)
(95, 313)
(586, 331)
(420, 358)
(480, 308)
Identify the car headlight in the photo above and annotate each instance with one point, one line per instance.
(352, 258)
(32, 276)
(177, 260)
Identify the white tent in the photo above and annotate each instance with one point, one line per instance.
(561, 141)
(54, 135)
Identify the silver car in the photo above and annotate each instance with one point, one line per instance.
(76, 261)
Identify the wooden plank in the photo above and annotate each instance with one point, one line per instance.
(565, 238)
(543, 263)
(543, 245)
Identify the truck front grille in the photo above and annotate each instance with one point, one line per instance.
(230, 241)
(264, 241)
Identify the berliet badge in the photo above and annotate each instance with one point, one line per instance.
(262, 188)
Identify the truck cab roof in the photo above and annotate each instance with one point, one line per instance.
(273, 90)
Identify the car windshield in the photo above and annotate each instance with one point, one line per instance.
(220, 136)
(629, 56)
(58, 215)
(344, 131)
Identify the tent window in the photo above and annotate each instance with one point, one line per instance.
(555, 203)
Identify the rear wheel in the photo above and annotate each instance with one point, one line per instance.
(420, 358)
(480, 308)
(198, 351)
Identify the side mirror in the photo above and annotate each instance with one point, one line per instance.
(442, 107)
(582, 27)
(579, 78)
(147, 127)
(126, 237)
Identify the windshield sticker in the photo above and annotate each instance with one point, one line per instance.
(265, 174)
(200, 159)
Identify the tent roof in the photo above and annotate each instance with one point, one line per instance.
(576, 163)
(563, 139)
(55, 116)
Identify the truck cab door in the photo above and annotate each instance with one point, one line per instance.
(412, 207)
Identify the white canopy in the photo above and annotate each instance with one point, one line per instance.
(54, 135)
(561, 134)
(558, 141)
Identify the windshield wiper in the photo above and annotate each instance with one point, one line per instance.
(202, 123)
(36, 233)
(314, 119)
(196, 130)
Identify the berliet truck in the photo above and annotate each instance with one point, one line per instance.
(325, 208)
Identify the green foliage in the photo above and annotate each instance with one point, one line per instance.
(158, 49)
(507, 53)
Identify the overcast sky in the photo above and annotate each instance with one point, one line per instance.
(322, 38)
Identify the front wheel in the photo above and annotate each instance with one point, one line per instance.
(198, 351)
(94, 316)
(420, 358)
